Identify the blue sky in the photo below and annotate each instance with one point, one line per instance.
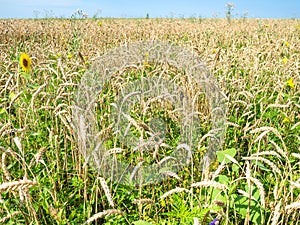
(155, 8)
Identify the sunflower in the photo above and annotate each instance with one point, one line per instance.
(25, 62)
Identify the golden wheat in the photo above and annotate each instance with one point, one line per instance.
(13, 185)
(175, 190)
(245, 57)
(102, 214)
(106, 191)
(209, 184)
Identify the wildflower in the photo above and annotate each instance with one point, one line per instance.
(214, 222)
(286, 120)
(147, 56)
(100, 24)
(146, 64)
(284, 60)
(25, 62)
(12, 95)
(69, 56)
(290, 82)
(287, 44)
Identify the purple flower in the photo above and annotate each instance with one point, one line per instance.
(214, 221)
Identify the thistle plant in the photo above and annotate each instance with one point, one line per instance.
(230, 7)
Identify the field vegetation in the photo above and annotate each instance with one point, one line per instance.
(255, 177)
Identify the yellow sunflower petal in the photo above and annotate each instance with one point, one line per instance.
(25, 62)
(287, 44)
(284, 60)
(290, 82)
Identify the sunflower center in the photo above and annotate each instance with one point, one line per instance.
(25, 62)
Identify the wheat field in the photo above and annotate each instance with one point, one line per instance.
(254, 178)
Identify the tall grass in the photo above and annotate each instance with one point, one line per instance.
(254, 179)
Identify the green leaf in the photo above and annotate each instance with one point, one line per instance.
(241, 205)
(235, 167)
(222, 179)
(2, 110)
(221, 155)
(26, 75)
(218, 195)
(142, 222)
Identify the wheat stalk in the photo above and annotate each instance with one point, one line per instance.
(232, 124)
(289, 208)
(258, 184)
(296, 155)
(166, 159)
(18, 143)
(112, 151)
(268, 162)
(66, 120)
(4, 127)
(13, 130)
(188, 149)
(35, 94)
(143, 201)
(276, 214)
(210, 184)
(135, 170)
(266, 128)
(2, 220)
(3, 166)
(170, 174)
(261, 135)
(273, 153)
(294, 184)
(218, 170)
(279, 150)
(107, 212)
(14, 99)
(175, 190)
(37, 157)
(279, 105)
(106, 191)
(260, 188)
(292, 128)
(247, 195)
(13, 185)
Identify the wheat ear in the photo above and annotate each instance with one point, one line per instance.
(276, 214)
(102, 214)
(143, 201)
(9, 216)
(210, 183)
(289, 208)
(37, 157)
(13, 185)
(175, 190)
(106, 191)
